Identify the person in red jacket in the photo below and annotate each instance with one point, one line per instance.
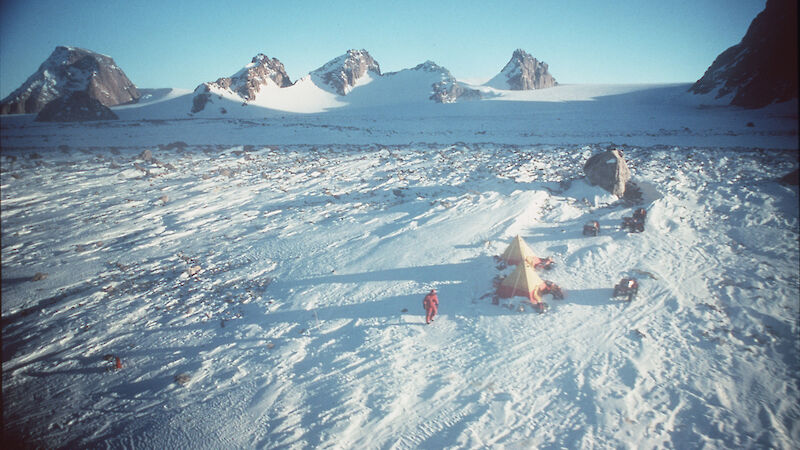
(431, 305)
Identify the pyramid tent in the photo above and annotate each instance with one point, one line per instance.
(518, 252)
(523, 282)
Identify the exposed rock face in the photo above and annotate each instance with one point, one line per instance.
(762, 68)
(791, 178)
(260, 72)
(609, 171)
(448, 90)
(246, 83)
(342, 73)
(523, 72)
(77, 106)
(69, 70)
(202, 96)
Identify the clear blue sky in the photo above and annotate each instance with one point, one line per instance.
(177, 43)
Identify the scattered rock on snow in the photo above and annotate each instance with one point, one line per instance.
(609, 171)
(183, 378)
(39, 276)
(146, 155)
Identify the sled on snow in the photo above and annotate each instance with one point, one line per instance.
(635, 224)
(627, 287)
(591, 228)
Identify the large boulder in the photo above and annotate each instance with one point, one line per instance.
(609, 171)
(75, 107)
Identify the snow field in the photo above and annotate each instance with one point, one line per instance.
(287, 282)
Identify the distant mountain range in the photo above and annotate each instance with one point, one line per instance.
(760, 70)
(355, 74)
(264, 82)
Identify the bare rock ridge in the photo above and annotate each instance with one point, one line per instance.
(68, 70)
(342, 73)
(762, 68)
(448, 90)
(339, 76)
(261, 72)
(246, 83)
(523, 72)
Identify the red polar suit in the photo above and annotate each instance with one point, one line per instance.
(431, 305)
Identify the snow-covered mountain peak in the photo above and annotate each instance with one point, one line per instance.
(342, 73)
(430, 66)
(261, 72)
(523, 72)
(68, 70)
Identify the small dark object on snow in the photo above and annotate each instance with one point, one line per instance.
(551, 288)
(183, 378)
(108, 357)
(592, 228)
(627, 287)
(635, 224)
(39, 276)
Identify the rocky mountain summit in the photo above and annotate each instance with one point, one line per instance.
(448, 90)
(68, 70)
(246, 83)
(762, 68)
(249, 80)
(342, 73)
(523, 72)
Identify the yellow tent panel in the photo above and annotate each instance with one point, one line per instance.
(523, 282)
(518, 252)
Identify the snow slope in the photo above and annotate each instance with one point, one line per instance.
(261, 282)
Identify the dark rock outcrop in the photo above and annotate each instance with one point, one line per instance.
(447, 90)
(68, 70)
(791, 178)
(762, 68)
(342, 73)
(609, 171)
(77, 106)
(523, 72)
(248, 82)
